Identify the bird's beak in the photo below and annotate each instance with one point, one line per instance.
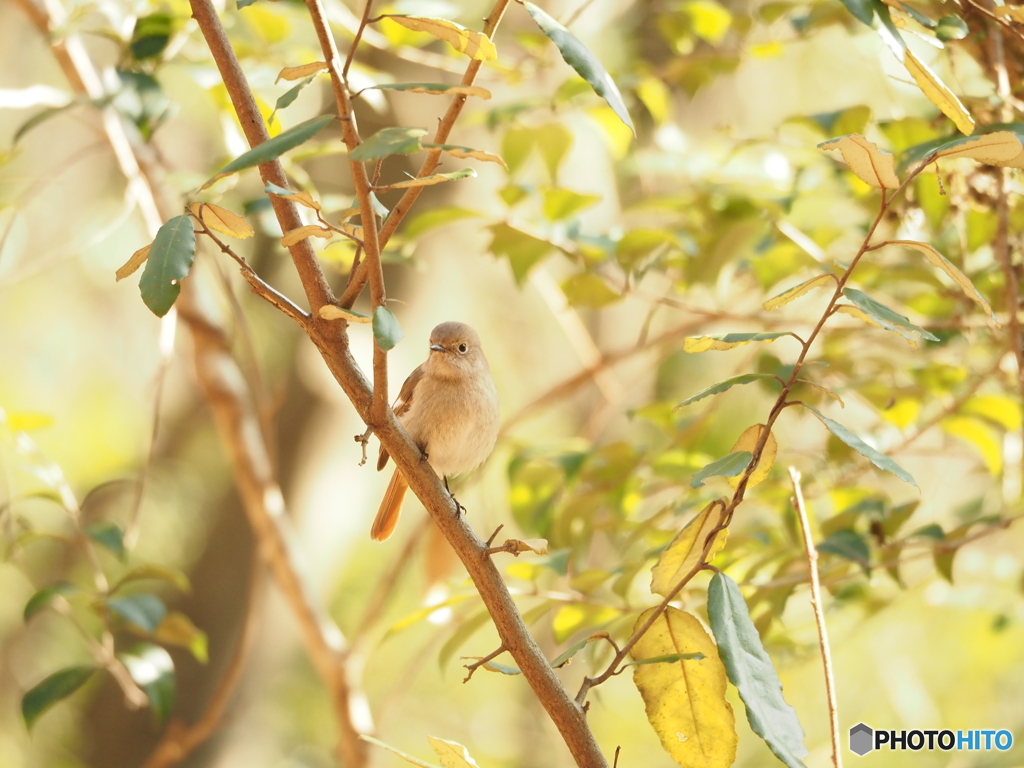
(436, 348)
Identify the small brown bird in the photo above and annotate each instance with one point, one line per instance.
(449, 407)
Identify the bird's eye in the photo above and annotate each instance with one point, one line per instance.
(463, 347)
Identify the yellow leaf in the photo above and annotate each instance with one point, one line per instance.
(686, 548)
(847, 309)
(694, 344)
(221, 220)
(301, 71)
(747, 442)
(938, 94)
(993, 148)
(685, 700)
(868, 163)
(1004, 411)
(137, 260)
(567, 620)
(475, 154)
(303, 198)
(476, 45)
(946, 266)
(26, 422)
(655, 95)
(301, 233)
(1012, 12)
(903, 413)
(424, 181)
(618, 135)
(710, 20)
(450, 90)
(796, 292)
(981, 436)
(334, 312)
(451, 753)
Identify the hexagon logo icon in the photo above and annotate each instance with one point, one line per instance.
(862, 739)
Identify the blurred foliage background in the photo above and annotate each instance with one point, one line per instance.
(583, 267)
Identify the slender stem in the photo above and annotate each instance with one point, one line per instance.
(355, 41)
(819, 616)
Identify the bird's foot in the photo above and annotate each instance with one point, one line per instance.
(458, 507)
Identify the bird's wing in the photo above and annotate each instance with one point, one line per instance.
(401, 407)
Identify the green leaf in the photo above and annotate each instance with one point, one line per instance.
(849, 545)
(579, 57)
(562, 203)
(107, 534)
(885, 317)
(568, 653)
(57, 686)
(522, 250)
(459, 637)
(244, 4)
(861, 10)
(588, 290)
(386, 330)
(722, 386)
(287, 98)
(670, 658)
(951, 27)
(151, 35)
(752, 672)
(178, 629)
(728, 466)
(897, 516)
(44, 597)
(436, 218)
(157, 573)
(271, 149)
(432, 88)
(880, 460)
(144, 611)
(389, 141)
(169, 262)
(152, 669)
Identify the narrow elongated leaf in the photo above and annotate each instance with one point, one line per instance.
(157, 573)
(685, 701)
(852, 311)
(861, 10)
(386, 330)
(467, 153)
(686, 549)
(301, 233)
(435, 89)
(868, 163)
(169, 262)
(144, 611)
(938, 93)
(301, 71)
(722, 386)
(152, 668)
(302, 198)
(137, 260)
(579, 57)
(997, 148)
(747, 442)
(178, 629)
(275, 147)
(797, 291)
(727, 340)
(752, 672)
(107, 534)
(877, 458)
(288, 98)
(437, 178)
(885, 317)
(45, 596)
(52, 689)
(333, 312)
(667, 659)
(946, 266)
(389, 141)
(728, 466)
(476, 45)
(850, 545)
(451, 753)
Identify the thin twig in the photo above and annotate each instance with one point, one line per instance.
(482, 661)
(819, 616)
(355, 40)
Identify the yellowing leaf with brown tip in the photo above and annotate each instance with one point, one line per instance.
(476, 45)
(797, 291)
(686, 549)
(451, 753)
(747, 442)
(334, 312)
(137, 260)
(301, 233)
(938, 93)
(996, 148)
(685, 700)
(948, 267)
(868, 163)
(301, 71)
(221, 220)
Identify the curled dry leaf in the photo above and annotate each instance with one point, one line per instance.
(946, 266)
(727, 341)
(797, 291)
(137, 260)
(476, 45)
(538, 546)
(686, 549)
(301, 233)
(221, 220)
(451, 753)
(334, 312)
(747, 442)
(998, 148)
(868, 163)
(301, 71)
(302, 197)
(464, 153)
(437, 178)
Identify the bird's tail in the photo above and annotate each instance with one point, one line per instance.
(390, 508)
